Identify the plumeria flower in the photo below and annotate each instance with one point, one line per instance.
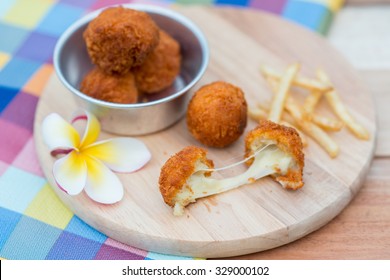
(89, 165)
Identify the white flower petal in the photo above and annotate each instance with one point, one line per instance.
(70, 173)
(102, 185)
(122, 154)
(59, 134)
(92, 128)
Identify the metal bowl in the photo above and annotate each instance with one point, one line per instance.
(71, 63)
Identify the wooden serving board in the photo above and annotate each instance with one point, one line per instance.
(254, 217)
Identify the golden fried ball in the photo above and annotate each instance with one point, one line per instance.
(178, 168)
(161, 67)
(286, 139)
(217, 114)
(119, 39)
(111, 88)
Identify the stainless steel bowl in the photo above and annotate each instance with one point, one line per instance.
(71, 63)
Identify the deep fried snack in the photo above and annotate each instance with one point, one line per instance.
(300, 81)
(341, 111)
(258, 113)
(161, 67)
(178, 169)
(281, 94)
(217, 114)
(119, 39)
(111, 88)
(271, 149)
(311, 129)
(288, 141)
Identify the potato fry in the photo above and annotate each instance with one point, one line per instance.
(321, 137)
(326, 123)
(279, 99)
(311, 102)
(341, 111)
(256, 113)
(311, 129)
(310, 84)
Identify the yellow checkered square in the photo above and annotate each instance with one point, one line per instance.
(48, 208)
(27, 13)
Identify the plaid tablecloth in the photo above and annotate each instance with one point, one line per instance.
(34, 224)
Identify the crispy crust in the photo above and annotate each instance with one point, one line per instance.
(111, 88)
(178, 169)
(119, 39)
(161, 67)
(217, 114)
(287, 139)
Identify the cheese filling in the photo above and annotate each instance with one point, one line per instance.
(267, 162)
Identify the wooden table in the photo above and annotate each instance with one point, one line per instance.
(362, 230)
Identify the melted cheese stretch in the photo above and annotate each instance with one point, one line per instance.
(267, 162)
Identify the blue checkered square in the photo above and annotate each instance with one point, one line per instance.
(30, 240)
(18, 188)
(17, 72)
(78, 227)
(60, 17)
(12, 37)
(313, 13)
(6, 95)
(8, 221)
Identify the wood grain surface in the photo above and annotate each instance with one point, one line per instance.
(256, 217)
(379, 84)
(362, 230)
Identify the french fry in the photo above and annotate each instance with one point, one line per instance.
(321, 137)
(340, 110)
(311, 102)
(256, 113)
(311, 129)
(326, 123)
(310, 84)
(279, 99)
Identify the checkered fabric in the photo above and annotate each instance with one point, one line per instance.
(34, 224)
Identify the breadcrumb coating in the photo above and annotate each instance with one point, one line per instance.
(287, 139)
(178, 169)
(111, 88)
(217, 114)
(183, 177)
(120, 38)
(161, 67)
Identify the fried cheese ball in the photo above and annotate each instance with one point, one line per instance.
(120, 38)
(178, 169)
(217, 114)
(271, 149)
(111, 88)
(288, 141)
(161, 67)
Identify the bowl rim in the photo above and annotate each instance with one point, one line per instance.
(142, 7)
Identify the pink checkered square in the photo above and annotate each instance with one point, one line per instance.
(27, 159)
(12, 140)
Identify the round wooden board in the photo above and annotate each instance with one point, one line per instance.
(254, 217)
